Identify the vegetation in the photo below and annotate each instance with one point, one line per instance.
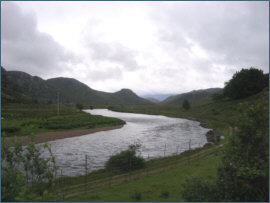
(25, 175)
(126, 160)
(28, 119)
(79, 106)
(195, 97)
(159, 185)
(18, 87)
(245, 83)
(186, 104)
(241, 175)
(244, 172)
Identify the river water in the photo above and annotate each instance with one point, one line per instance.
(158, 136)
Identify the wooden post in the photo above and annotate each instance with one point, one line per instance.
(85, 173)
(189, 150)
(164, 150)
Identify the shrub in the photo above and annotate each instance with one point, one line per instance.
(126, 160)
(136, 196)
(165, 194)
(244, 172)
(25, 175)
(245, 83)
(198, 190)
(186, 104)
(79, 106)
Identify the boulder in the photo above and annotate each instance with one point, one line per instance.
(213, 137)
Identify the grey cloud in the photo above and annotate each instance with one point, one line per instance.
(232, 33)
(111, 73)
(25, 48)
(115, 53)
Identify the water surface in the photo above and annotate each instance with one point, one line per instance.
(158, 136)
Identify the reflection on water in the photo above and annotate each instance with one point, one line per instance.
(152, 132)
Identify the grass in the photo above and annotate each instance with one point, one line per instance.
(163, 186)
(162, 179)
(218, 115)
(22, 119)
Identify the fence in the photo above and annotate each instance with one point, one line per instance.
(93, 181)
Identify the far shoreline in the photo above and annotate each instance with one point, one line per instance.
(51, 136)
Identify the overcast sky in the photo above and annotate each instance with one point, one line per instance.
(149, 47)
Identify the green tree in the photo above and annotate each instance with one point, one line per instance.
(244, 172)
(186, 104)
(245, 83)
(25, 175)
(79, 106)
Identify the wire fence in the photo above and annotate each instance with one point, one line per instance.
(92, 181)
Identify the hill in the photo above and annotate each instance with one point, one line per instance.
(154, 100)
(194, 97)
(21, 87)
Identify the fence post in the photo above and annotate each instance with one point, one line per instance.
(164, 150)
(177, 149)
(129, 166)
(189, 150)
(85, 173)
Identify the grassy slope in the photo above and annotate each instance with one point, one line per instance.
(152, 186)
(217, 115)
(22, 119)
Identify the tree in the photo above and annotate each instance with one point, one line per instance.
(79, 106)
(186, 104)
(126, 160)
(25, 175)
(243, 174)
(245, 83)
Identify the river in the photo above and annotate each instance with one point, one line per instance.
(158, 136)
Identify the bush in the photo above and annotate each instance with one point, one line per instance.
(245, 83)
(198, 190)
(126, 160)
(165, 194)
(79, 106)
(186, 104)
(136, 196)
(244, 173)
(25, 175)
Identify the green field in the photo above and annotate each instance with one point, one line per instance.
(161, 176)
(25, 119)
(165, 185)
(218, 115)
(162, 179)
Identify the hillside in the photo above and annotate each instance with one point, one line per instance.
(194, 97)
(21, 87)
(154, 100)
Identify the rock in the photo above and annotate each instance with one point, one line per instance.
(213, 137)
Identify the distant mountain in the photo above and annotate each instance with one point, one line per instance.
(70, 90)
(194, 97)
(159, 97)
(154, 100)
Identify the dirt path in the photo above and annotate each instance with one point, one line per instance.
(50, 136)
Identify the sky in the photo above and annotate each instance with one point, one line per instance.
(148, 47)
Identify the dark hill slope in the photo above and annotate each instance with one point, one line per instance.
(128, 97)
(194, 97)
(69, 89)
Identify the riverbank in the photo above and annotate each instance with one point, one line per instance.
(51, 136)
